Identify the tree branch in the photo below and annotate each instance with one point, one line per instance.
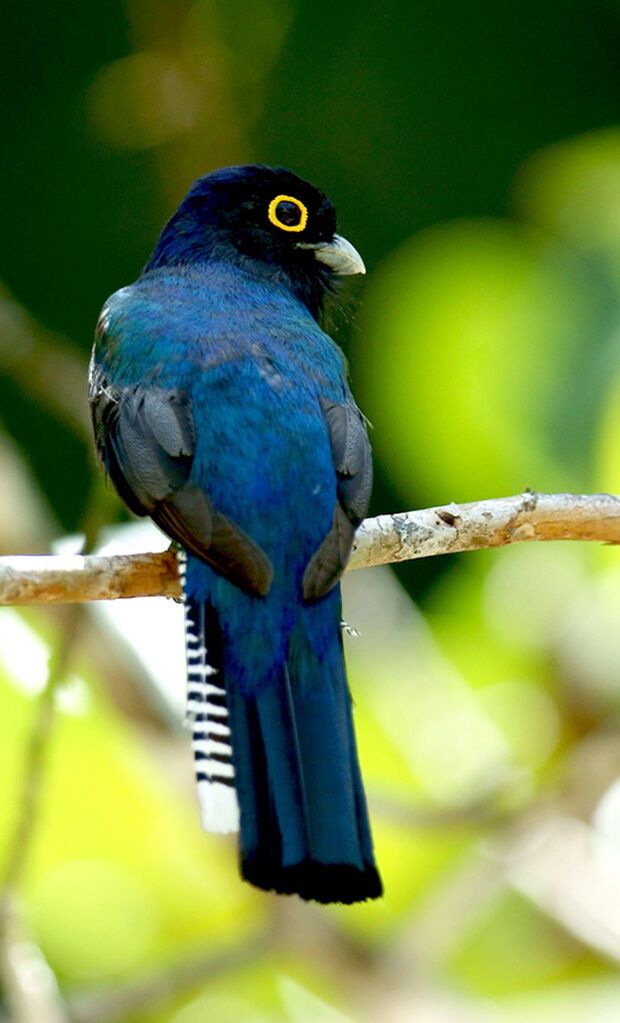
(379, 541)
(481, 524)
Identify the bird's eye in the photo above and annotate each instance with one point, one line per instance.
(288, 213)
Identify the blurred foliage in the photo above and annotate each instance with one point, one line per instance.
(472, 155)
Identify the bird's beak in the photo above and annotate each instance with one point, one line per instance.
(338, 254)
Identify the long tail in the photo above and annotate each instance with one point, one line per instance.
(304, 822)
(207, 715)
(281, 763)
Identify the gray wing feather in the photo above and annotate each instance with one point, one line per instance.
(352, 457)
(146, 440)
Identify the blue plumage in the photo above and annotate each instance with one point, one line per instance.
(222, 410)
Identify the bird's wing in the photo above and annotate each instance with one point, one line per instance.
(146, 439)
(353, 464)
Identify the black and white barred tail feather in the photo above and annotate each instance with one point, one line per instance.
(294, 773)
(207, 716)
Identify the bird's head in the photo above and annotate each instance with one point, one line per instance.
(263, 217)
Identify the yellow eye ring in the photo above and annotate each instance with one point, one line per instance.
(275, 220)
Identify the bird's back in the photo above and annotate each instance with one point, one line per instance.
(255, 365)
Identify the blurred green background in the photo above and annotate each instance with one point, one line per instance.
(472, 154)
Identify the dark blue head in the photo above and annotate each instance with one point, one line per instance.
(265, 218)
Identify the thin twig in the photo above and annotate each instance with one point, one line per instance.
(379, 541)
(51, 371)
(29, 982)
(38, 742)
(160, 989)
(29, 985)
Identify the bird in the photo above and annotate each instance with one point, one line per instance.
(221, 409)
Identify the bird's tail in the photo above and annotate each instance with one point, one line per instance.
(208, 718)
(281, 763)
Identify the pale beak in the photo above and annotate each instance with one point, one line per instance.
(338, 254)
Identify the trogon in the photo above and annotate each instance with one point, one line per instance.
(221, 409)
